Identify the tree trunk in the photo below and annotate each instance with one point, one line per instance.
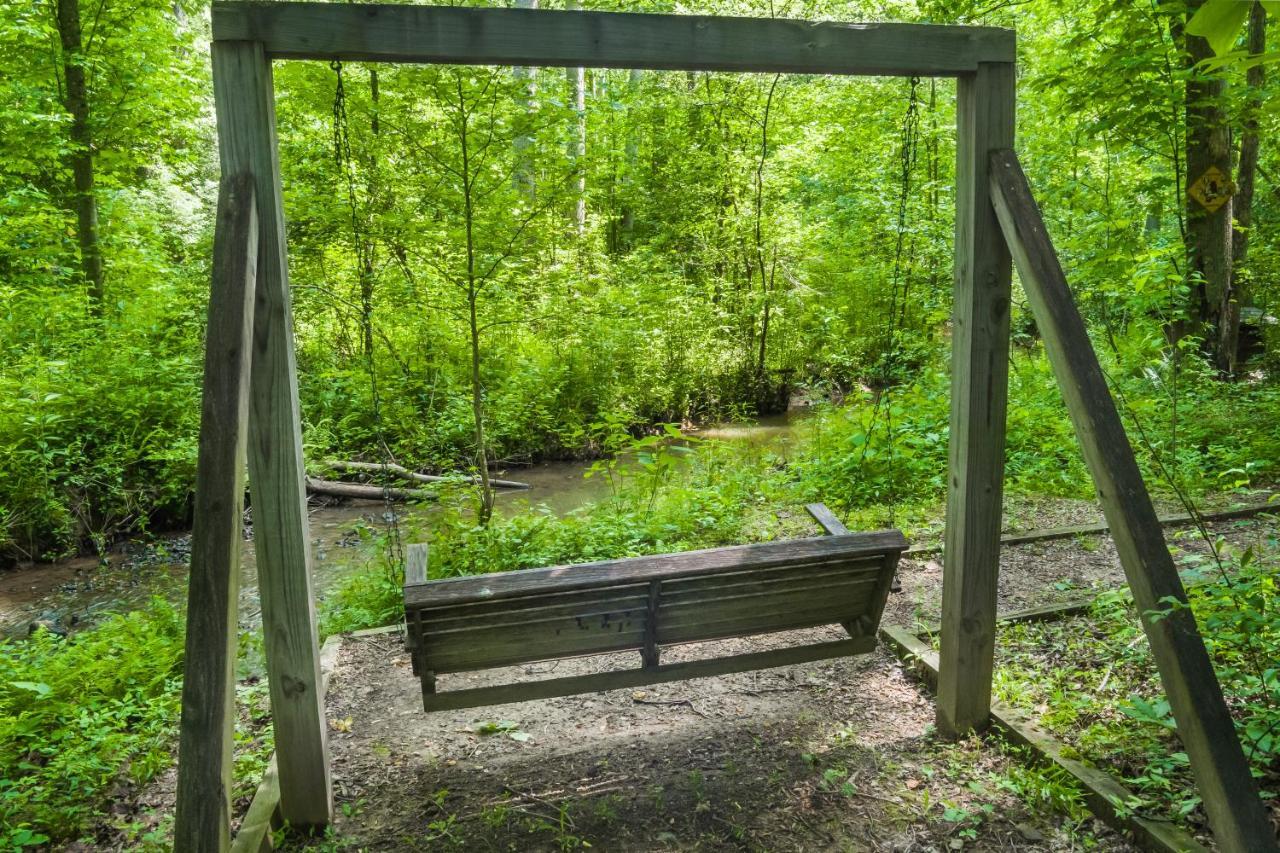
(1228, 348)
(632, 156)
(333, 489)
(522, 145)
(76, 102)
(1209, 177)
(485, 510)
(766, 272)
(404, 473)
(576, 148)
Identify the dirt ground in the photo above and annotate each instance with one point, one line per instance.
(836, 755)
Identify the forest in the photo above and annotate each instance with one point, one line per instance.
(498, 272)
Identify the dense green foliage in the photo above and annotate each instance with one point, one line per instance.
(481, 271)
(1094, 683)
(83, 717)
(738, 239)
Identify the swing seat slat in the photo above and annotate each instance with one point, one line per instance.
(643, 604)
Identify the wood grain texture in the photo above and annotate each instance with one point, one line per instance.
(979, 393)
(263, 816)
(203, 821)
(644, 569)
(247, 142)
(643, 603)
(826, 519)
(1102, 791)
(255, 833)
(401, 33)
(415, 563)
(1236, 814)
(573, 685)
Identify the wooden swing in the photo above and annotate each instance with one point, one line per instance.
(250, 367)
(643, 604)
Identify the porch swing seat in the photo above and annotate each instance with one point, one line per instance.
(644, 604)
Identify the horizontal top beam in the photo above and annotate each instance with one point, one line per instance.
(468, 36)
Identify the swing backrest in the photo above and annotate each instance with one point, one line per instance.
(642, 604)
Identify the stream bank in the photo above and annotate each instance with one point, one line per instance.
(66, 595)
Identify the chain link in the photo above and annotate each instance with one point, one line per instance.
(363, 247)
(899, 289)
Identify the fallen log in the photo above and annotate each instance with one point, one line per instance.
(334, 489)
(405, 474)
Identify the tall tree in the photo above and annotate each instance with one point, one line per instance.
(1229, 311)
(527, 88)
(1209, 186)
(75, 95)
(576, 147)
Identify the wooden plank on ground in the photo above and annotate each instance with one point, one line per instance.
(245, 108)
(203, 820)
(826, 519)
(1071, 531)
(263, 816)
(1236, 814)
(979, 391)
(255, 834)
(1104, 795)
(540, 37)
(573, 685)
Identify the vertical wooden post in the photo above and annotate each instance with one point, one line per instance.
(1230, 796)
(979, 391)
(244, 100)
(208, 689)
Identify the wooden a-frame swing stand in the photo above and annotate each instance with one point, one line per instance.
(250, 405)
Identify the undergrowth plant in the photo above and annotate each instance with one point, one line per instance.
(1092, 680)
(83, 719)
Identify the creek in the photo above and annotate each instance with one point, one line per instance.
(76, 592)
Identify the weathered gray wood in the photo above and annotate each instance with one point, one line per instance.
(415, 563)
(359, 491)
(649, 653)
(826, 519)
(247, 143)
(501, 643)
(405, 474)
(979, 391)
(456, 35)
(525, 611)
(203, 820)
(1104, 795)
(572, 685)
(1072, 530)
(1230, 796)
(644, 569)
(698, 592)
(766, 619)
(641, 604)
(263, 816)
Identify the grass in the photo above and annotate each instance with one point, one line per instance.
(1092, 683)
(84, 719)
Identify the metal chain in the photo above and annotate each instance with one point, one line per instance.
(900, 286)
(364, 263)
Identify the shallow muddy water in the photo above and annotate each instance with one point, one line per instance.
(76, 592)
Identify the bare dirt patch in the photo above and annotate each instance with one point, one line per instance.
(837, 755)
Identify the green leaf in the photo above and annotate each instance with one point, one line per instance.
(1219, 22)
(39, 688)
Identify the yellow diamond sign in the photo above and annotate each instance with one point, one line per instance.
(1212, 189)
